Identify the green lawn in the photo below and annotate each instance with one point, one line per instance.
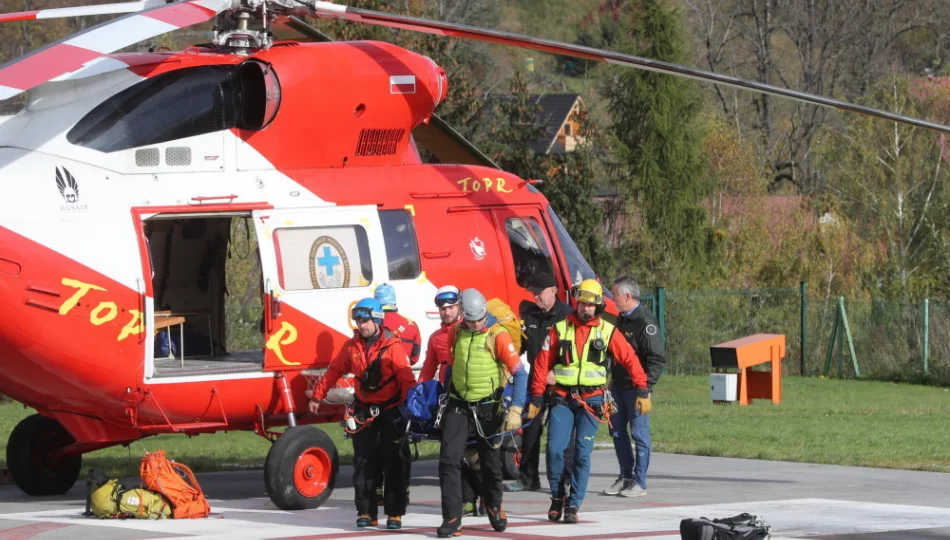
(820, 421)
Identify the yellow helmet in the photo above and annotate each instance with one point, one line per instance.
(590, 292)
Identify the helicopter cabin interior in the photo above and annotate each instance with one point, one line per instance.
(206, 278)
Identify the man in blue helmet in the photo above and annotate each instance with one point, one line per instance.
(383, 379)
(402, 327)
(407, 332)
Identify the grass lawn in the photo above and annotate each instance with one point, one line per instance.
(819, 421)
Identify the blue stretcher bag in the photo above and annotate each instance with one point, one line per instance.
(422, 405)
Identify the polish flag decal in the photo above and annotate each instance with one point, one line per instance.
(402, 84)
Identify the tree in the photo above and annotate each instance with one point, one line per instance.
(891, 180)
(658, 141)
(571, 186)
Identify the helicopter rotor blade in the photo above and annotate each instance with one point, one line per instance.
(90, 46)
(82, 11)
(333, 11)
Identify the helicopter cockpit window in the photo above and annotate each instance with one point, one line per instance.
(576, 263)
(529, 249)
(178, 104)
(402, 250)
(311, 258)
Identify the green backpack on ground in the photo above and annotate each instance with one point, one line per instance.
(111, 500)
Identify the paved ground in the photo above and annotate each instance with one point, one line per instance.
(798, 500)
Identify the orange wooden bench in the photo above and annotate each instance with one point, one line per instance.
(742, 354)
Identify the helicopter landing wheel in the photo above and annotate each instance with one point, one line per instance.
(301, 468)
(28, 460)
(511, 457)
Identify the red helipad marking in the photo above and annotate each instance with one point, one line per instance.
(486, 530)
(25, 532)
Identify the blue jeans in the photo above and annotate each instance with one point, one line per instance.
(565, 416)
(631, 469)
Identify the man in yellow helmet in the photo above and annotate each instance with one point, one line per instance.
(581, 350)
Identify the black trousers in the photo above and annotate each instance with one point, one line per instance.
(379, 442)
(531, 453)
(458, 426)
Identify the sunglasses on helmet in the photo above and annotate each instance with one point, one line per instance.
(446, 299)
(360, 314)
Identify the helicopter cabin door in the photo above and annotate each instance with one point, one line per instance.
(527, 250)
(317, 263)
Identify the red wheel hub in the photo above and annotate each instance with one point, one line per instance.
(518, 458)
(312, 472)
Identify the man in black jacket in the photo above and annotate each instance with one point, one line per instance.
(641, 330)
(539, 316)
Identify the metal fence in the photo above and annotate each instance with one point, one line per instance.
(890, 340)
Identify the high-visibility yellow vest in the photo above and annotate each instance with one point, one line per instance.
(581, 371)
(476, 374)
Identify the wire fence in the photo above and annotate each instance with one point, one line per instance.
(898, 341)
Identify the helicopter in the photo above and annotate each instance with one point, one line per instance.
(125, 173)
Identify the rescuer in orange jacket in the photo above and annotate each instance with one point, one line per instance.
(580, 351)
(383, 378)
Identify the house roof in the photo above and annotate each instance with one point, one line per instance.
(553, 111)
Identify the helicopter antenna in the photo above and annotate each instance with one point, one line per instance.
(329, 10)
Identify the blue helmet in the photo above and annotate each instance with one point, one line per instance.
(368, 308)
(386, 295)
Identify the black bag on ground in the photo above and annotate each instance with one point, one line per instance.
(741, 527)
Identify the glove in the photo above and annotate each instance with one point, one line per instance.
(314, 407)
(534, 408)
(512, 418)
(644, 405)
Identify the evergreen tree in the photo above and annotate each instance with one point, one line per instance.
(659, 141)
(511, 128)
(570, 187)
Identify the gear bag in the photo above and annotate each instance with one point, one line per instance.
(741, 527)
(110, 500)
(176, 482)
(422, 405)
(506, 318)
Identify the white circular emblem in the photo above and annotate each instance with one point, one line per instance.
(651, 330)
(329, 267)
(477, 245)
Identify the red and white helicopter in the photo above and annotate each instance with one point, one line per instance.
(121, 177)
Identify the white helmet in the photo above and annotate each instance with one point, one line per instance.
(447, 296)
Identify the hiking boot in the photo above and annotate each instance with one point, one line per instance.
(366, 520)
(632, 489)
(570, 514)
(557, 508)
(449, 528)
(617, 486)
(498, 519)
(394, 522)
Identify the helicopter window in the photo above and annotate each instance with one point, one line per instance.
(311, 258)
(402, 250)
(529, 249)
(576, 263)
(174, 105)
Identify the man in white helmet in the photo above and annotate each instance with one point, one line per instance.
(483, 356)
(437, 351)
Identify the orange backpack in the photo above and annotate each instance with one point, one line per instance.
(177, 483)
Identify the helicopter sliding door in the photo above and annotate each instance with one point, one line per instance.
(527, 249)
(317, 263)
